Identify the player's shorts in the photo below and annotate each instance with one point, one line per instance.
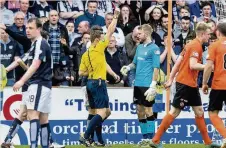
(139, 98)
(186, 96)
(217, 98)
(38, 98)
(97, 94)
(24, 94)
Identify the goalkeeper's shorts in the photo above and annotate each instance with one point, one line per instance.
(139, 98)
(186, 96)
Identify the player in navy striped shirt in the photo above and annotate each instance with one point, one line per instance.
(39, 78)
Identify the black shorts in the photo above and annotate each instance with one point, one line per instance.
(97, 94)
(139, 98)
(217, 98)
(186, 96)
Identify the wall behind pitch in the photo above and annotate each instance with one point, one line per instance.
(69, 114)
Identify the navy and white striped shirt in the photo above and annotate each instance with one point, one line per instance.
(40, 50)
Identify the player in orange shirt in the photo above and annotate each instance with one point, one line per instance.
(217, 57)
(187, 93)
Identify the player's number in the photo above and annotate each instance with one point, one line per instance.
(32, 98)
(225, 61)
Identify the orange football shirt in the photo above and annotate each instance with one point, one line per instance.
(217, 54)
(185, 75)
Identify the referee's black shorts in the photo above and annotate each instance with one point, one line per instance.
(186, 96)
(217, 98)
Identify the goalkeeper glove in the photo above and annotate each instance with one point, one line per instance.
(151, 92)
(124, 70)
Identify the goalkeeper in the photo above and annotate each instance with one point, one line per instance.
(147, 63)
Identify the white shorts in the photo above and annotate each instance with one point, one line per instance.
(37, 98)
(24, 95)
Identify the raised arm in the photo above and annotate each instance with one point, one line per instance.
(112, 26)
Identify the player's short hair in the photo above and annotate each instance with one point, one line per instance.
(147, 29)
(37, 22)
(221, 27)
(44, 34)
(95, 32)
(201, 27)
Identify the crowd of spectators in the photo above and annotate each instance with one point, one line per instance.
(67, 24)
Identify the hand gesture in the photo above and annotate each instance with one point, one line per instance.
(205, 89)
(168, 84)
(18, 85)
(117, 11)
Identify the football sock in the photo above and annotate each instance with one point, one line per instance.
(90, 116)
(94, 122)
(218, 124)
(13, 130)
(143, 127)
(200, 122)
(150, 126)
(34, 132)
(45, 135)
(166, 122)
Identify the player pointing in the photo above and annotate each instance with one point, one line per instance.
(217, 58)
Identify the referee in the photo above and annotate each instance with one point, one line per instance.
(93, 65)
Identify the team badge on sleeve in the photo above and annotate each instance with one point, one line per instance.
(157, 52)
(195, 54)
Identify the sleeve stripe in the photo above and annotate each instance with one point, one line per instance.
(38, 50)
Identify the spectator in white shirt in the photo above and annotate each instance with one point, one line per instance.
(69, 9)
(118, 34)
(6, 16)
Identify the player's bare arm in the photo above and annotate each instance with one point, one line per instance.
(194, 65)
(31, 70)
(12, 66)
(174, 71)
(206, 75)
(113, 24)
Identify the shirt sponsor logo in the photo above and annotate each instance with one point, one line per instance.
(5, 56)
(11, 47)
(140, 58)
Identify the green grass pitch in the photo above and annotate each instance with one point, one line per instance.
(134, 146)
